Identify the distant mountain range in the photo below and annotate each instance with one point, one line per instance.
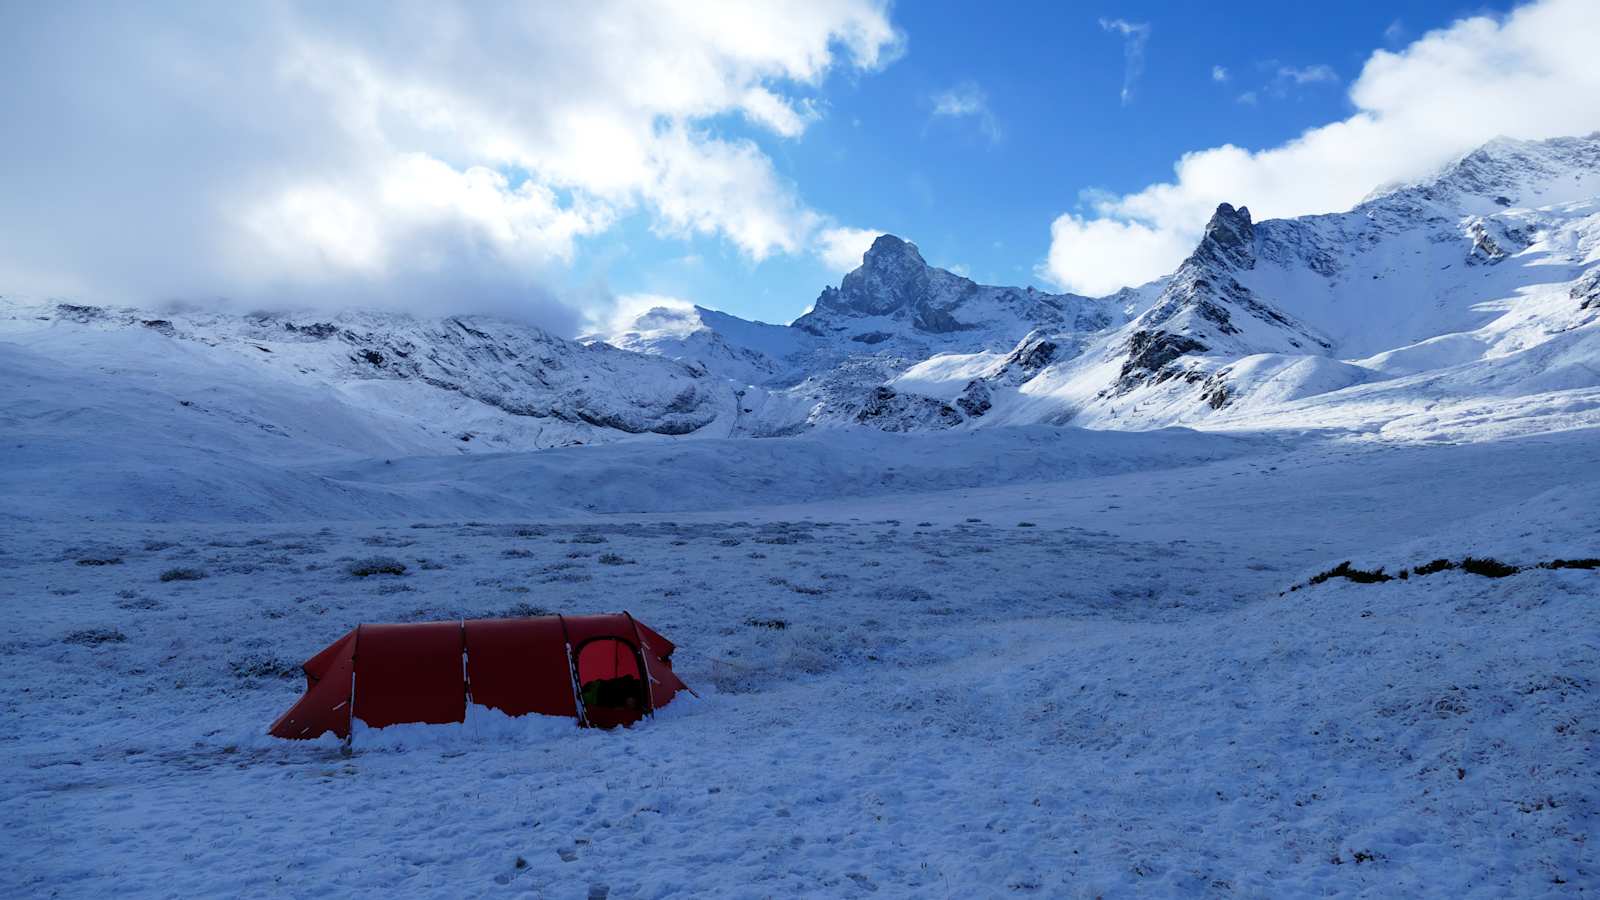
(1492, 257)
(1478, 285)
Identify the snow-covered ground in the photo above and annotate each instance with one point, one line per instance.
(1036, 662)
(944, 647)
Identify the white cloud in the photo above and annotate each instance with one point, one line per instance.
(1395, 32)
(1283, 81)
(1097, 253)
(967, 100)
(778, 114)
(841, 249)
(1317, 74)
(367, 150)
(1134, 36)
(1526, 75)
(1219, 73)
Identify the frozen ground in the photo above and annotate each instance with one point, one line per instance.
(1078, 676)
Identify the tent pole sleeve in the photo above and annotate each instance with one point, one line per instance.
(572, 675)
(644, 651)
(350, 707)
(466, 681)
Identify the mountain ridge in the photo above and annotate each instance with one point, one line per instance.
(1466, 272)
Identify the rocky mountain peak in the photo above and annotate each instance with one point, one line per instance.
(1230, 233)
(892, 277)
(890, 252)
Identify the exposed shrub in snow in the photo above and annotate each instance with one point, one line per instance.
(384, 540)
(1487, 567)
(1345, 570)
(1589, 563)
(903, 593)
(263, 665)
(775, 650)
(92, 636)
(1026, 525)
(784, 537)
(100, 561)
(613, 559)
(810, 658)
(569, 578)
(181, 574)
(589, 538)
(516, 553)
(377, 565)
(1438, 565)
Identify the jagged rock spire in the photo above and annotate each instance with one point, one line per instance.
(1230, 236)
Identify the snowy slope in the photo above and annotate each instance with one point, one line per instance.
(738, 349)
(461, 382)
(1082, 687)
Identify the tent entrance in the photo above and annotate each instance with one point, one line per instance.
(611, 682)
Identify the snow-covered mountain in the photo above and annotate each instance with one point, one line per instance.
(836, 364)
(738, 349)
(1480, 284)
(1476, 265)
(1460, 275)
(365, 382)
(896, 296)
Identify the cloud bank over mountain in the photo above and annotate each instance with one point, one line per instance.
(1529, 75)
(367, 151)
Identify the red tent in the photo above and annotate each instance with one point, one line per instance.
(602, 670)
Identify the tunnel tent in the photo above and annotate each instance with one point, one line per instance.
(602, 670)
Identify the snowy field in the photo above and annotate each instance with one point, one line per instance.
(1081, 675)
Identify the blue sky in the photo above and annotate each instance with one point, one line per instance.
(983, 197)
(560, 161)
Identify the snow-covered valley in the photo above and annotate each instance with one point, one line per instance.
(1089, 683)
